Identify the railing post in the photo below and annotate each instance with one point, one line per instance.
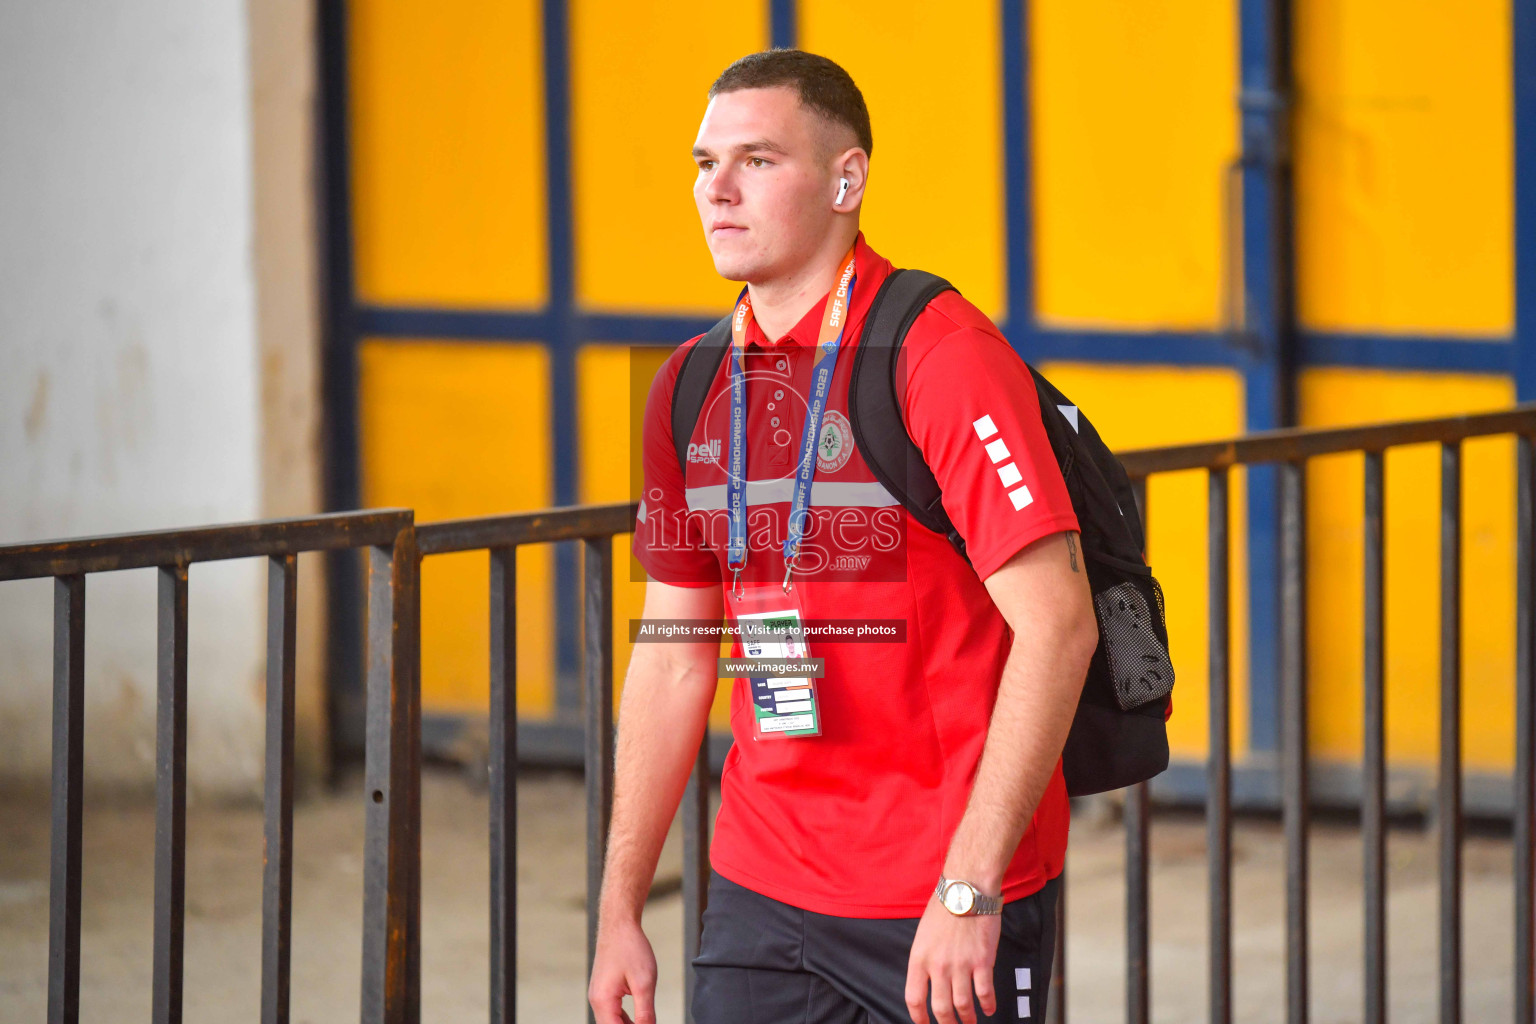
(1295, 812)
(1374, 789)
(1218, 818)
(66, 795)
(1138, 820)
(390, 841)
(170, 794)
(695, 867)
(597, 631)
(1448, 801)
(503, 785)
(1525, 733)
(277, 802)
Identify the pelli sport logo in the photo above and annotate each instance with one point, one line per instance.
(835, 446)
(709, 451)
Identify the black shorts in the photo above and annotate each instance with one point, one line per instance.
(765, 962)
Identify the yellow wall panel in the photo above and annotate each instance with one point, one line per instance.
(1119, 400)
(613, 382)
(1133, 122)
(931, 75)
(1335, 553)
(447, 135)
(639, 77)
(1404, 185)
(456, 429)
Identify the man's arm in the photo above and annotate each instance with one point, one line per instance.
(1042, 593)
(663, 713)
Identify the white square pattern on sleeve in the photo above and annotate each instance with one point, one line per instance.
(1008, 473)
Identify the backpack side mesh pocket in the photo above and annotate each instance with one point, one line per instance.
(1134, 637)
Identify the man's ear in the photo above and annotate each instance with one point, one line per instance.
(851, 165)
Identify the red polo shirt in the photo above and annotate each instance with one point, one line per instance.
(857, 821)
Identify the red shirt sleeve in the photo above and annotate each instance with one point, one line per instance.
(668, 542)
(972, 409)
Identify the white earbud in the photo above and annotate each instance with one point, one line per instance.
(842, 190)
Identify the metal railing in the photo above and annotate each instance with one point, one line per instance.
(391, 771)
(1290, 450)
(392, 884)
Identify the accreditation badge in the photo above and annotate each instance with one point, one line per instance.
(772, 631)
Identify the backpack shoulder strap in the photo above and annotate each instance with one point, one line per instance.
(694, 378)
(874, 400)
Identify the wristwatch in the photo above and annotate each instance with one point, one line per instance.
(962, 899)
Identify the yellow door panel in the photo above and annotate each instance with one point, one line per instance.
(1133, 122)
(931, 75)
(614, 381)
(639, 77)
(1404, 166)
(446, 103)
(456, 429)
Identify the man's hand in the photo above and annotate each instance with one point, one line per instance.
(952, 954)
(624, 965)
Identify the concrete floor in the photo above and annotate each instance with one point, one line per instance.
(223, 929)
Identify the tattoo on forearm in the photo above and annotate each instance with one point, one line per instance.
(1072, 550)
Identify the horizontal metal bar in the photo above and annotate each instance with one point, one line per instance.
(1294, 444)
(201, 543)
(577, 522)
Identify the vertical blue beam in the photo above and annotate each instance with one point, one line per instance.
(1019, 225)
(562, 340)
(783, 23)
(1525, 199)
(1268, 360)
(342, 487)
(1524, 65)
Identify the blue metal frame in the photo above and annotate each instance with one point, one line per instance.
(1266, 321)
(1524, 67)
(562, 341)
(345, 696)
(1268, 354)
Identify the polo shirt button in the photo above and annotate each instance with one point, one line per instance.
(782, 364)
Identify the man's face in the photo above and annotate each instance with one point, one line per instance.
(766, 182)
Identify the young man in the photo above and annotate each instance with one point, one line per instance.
(896, 859)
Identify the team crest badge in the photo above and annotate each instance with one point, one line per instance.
(835, 446)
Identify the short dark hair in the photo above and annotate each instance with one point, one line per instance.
(822, 84)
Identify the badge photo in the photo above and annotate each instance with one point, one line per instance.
(772, 627)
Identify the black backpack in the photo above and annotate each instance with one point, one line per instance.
(1119, 735)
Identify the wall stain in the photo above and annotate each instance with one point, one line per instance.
(37, 409)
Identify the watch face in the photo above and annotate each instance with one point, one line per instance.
(959, 898)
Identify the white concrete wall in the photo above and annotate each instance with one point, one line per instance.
(130, 364)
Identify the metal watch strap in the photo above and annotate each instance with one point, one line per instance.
(984, 905)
